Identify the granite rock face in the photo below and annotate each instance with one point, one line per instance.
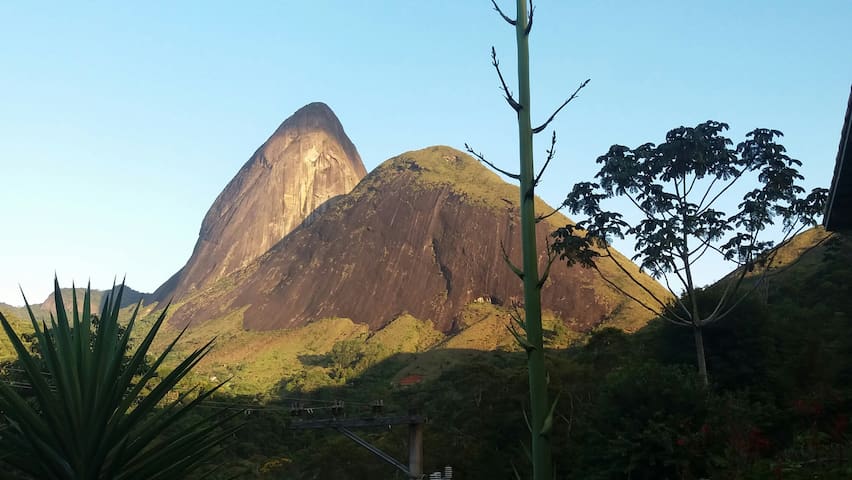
(423, 234)
(294, 175)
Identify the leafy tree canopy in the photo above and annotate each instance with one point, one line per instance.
(675, 189)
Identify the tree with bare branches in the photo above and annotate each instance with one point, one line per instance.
(527, 328)
(675, 189)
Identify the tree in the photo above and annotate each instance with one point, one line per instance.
(344, 357)
(93, 411)
(541, 411)
(675, 189)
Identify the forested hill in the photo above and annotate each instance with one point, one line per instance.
(630, 406)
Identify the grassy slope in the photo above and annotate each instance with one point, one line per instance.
(20, 322)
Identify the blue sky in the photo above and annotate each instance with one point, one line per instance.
(120, 122)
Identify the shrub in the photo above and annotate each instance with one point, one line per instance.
(96, 412)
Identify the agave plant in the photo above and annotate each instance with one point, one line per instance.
(95, 408)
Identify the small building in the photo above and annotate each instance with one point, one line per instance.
(838, 212)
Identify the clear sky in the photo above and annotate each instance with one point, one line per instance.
(120, 122)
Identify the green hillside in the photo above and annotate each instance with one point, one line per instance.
(630, 404)
(20, 322)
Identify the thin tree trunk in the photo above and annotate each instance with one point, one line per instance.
(696, 316)
(699, 351)
(539, 407)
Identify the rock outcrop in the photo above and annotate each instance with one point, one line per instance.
(294, 175)
(423, 234)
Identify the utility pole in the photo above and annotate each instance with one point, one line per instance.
(415, 449)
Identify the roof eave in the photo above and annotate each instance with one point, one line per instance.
(834, 218)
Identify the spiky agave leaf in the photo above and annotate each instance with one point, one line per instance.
(89, 416)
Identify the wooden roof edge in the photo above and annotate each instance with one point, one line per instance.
(841, 167)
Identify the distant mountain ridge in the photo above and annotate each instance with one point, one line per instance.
(129, 297)
(47, 306)
(306, 162)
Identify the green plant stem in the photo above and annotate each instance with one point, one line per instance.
(541, 449)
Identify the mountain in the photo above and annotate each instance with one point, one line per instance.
(48, 305)
(19, 318)
(5, 307)
(128, 297)
(307, 162)
(423, 235)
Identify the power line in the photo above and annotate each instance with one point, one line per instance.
(298, 406)
(283, 398)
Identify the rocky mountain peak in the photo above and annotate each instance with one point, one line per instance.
(316, 117)
(308, 161)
